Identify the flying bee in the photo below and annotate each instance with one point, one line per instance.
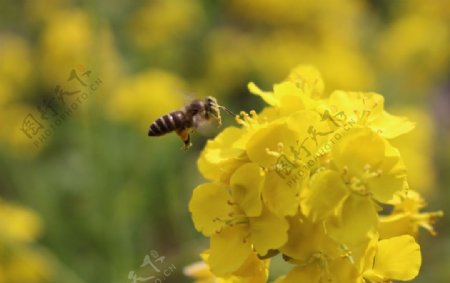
(188, 119)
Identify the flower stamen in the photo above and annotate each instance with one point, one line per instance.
(246, 120)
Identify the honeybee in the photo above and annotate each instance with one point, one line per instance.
(188, 119)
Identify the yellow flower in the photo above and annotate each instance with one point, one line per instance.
(308, 79)
(396, 258)
(222, 155)
(409, 52)
(417, 150)
(406, 217)
(20, 259)
(304, 84)
(367, 109)
(307, 240)
(321, 270)
(15, 72)
(70, 40)
(217, 213)
(160, 23)
(11, 124)
(276, 147)
(135, 100)
(18, 223)
(305, 178)
(24, 265)
(253, 270)
(16, 64)
(362, 169)
(66, 42)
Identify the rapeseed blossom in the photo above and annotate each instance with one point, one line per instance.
(15, 71)
(20, 259)
(130, 100)
(308, 178)
(417, 148)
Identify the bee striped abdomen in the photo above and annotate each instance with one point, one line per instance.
(167, 123)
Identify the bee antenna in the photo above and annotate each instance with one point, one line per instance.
(227, 110)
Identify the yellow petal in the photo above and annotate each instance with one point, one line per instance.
(396, 225)
(246, 185)
(398, 258)
(282, 196)
(254, 269)
(220, 156)
(269, 137)
(18, 224)
(417, 149)
(390, 126)
(368, 256)
(343, 270)
(359, 148)
(353, 222)
(291, 98)
(311, 133)
(390, 176)
(324, 194)
(383, 187)
(305, 239)
(267, 96)
(310, 273)
(209, 206)
(268, 232)
(309, 79)
(28, 265)
(229, 250)
(393, 163)
(291, 103)
(362, 107)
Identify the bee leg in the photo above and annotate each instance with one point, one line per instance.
(186, 138)
(187, 143)
(217, 120)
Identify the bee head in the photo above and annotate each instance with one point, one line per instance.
(212, 108)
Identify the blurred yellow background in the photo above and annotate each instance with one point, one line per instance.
(85, 195)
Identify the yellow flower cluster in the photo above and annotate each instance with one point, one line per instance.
(406, 50)
(20, 260)
(131, 100)
(15, 71)
(310, 178)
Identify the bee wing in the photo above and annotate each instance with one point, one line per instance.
(187, 96)
(204, 126)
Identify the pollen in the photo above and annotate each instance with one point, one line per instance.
(247, 120)
(276, 153)
(359, 187)
(426, 220)
(347, 253)
(237, 219)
